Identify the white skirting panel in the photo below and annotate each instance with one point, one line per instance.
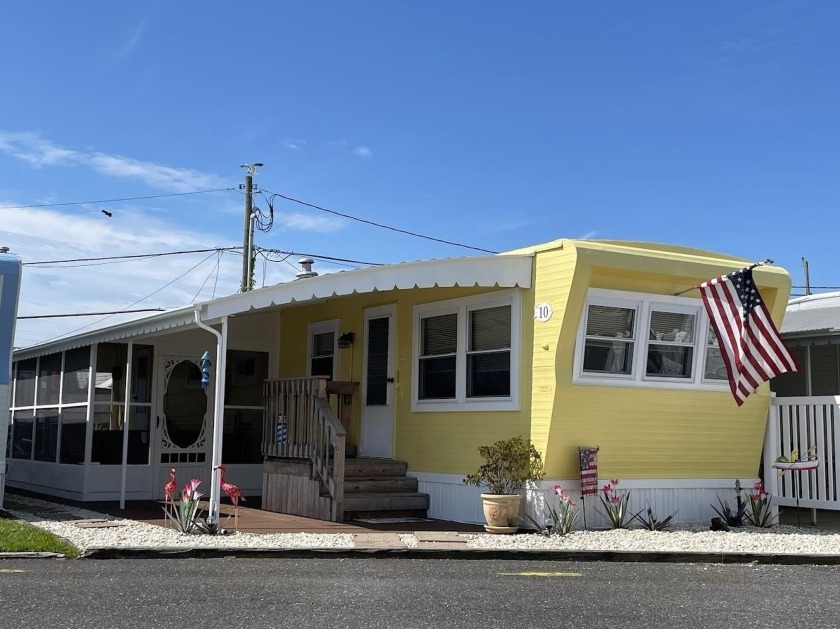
(51, 479)
(691, 499)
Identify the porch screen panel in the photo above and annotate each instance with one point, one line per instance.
(438, 347)
(793, 383)
(107, 445)
(73, 424)
(246, 374)
(24, 422)
(76, 375)
(25, 383)
(377, 362)
(824, 371)
(49, 379)
(46, 435)
(488, 357)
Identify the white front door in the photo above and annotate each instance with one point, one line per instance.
(181, 425)
(378, 383)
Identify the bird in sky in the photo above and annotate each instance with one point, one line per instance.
(107, 213)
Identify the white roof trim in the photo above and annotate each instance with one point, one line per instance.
(504, 271)
(148, 325)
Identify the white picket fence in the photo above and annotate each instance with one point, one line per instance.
(799, 423)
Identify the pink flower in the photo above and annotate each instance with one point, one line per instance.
(758, 486)
(614, 481)
(615, 500)
(607, 488)
(558, 491)
(572, 504)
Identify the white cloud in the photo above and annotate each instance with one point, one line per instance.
(47, 234)
(308, 222)
(33, 149)
(589, 235)
(362, 151)
(294, 145)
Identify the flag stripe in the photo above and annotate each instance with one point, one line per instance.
(751, 348)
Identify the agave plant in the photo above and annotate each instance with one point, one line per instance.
(615, 504)
(651, 522)
(185, 514)
(559, 520)
(759, 500)
(728, 516)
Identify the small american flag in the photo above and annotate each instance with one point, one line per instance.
(749, 343)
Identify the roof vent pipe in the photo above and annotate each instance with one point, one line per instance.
(4, 249)
(306, 265)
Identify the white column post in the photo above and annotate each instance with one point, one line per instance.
(126, 421)
(218, 411)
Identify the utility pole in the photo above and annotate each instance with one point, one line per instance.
(248, 238)
(807, 276)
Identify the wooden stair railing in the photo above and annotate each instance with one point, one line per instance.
(299, 423)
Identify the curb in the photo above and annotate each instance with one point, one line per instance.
(32, 555)
(465, 554)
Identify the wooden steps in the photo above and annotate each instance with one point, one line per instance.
(380, 488)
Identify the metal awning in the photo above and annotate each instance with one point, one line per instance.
(503, 271)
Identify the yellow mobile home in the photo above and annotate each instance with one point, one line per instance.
(404, 370)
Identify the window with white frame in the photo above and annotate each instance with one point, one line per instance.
(323, 344)
(636, 338)
(467, 353)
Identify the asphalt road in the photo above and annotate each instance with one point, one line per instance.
(390, 592)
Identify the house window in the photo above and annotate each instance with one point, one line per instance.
(467, 353)
(488, 353)
(715, 368)
(671, 344)
(322, 349)
(635, 339)
(438, 356)
(610, 339)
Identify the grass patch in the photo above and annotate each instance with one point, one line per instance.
(17, 536)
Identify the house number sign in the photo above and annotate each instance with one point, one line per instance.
(543, 312)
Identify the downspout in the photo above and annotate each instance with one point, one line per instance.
(126, 421)
(218, 410)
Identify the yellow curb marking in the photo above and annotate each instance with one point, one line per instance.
(540, 574)
(9, 570)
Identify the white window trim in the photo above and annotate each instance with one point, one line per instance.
(643, 304)
(319, 328)
(462, 306)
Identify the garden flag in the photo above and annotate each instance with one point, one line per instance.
(588, 471)
(749, 343)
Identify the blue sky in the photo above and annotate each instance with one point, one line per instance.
(493, 124)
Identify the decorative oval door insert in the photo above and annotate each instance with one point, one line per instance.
(184, 404)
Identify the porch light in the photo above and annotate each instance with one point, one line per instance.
(346, 340)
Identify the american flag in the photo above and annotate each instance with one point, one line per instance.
(749, 343)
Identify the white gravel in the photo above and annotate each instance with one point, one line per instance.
(680, 538)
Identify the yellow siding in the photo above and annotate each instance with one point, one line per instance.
(641, 432)
(436, 442)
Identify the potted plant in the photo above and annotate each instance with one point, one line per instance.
(508, 465)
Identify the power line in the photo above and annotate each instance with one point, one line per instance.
(363, 220)
(130, 257)
(89, 314)
(71, 332)
(315, 255)
(151, 196)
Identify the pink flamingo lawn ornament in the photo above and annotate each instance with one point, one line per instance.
(234, 494)
(169, 490)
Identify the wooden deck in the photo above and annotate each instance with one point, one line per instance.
(254, 520)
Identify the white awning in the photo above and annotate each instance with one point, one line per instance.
(503, 271)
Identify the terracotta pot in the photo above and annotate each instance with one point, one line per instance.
(501, 512)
